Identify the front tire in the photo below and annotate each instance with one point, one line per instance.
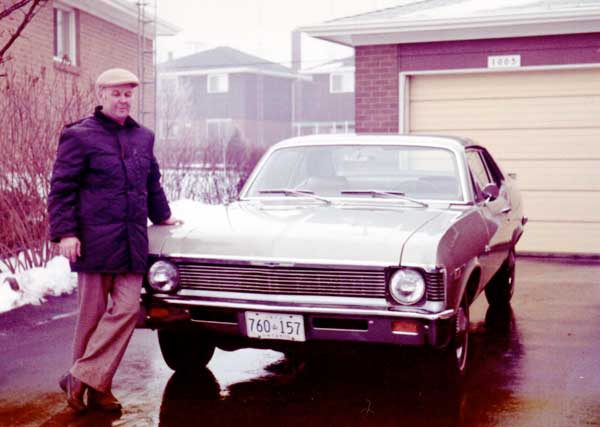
(500, 290)
(185, 351)
(454, 357)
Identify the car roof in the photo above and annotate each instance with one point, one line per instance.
(450, 142)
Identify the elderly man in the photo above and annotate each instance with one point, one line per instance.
(105, 185)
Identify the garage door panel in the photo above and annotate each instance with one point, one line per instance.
(543, 125)
(549, 206)
(522, 113)
(555, 175)
(502, 84)
(506, 144)
(542, 237)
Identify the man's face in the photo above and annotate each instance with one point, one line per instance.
(116, 101)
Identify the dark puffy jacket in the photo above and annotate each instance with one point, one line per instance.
(105, 185)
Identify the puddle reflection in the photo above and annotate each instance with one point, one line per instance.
(383, 387)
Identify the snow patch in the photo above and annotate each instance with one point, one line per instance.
(56, 278)
(37, 283)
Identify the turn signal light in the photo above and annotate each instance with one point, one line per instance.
(158, 312)
(405, 327)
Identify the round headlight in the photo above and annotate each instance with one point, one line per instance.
(163, 276)
(407, 286)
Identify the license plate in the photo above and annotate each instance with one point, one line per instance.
(275, 326)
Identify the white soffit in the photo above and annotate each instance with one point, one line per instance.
(419, 29)
(124, 14)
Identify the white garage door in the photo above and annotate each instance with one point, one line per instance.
(542, 125)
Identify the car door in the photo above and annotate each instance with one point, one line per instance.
(496, 212)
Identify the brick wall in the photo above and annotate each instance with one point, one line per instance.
(100, 45)
(376, 86)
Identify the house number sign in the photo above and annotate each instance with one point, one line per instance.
(504, 61)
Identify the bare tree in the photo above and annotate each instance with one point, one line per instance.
(27, 9)
(209, 168)
(34, 108)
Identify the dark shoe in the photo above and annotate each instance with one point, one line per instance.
(103, 401)
(75, 390)
(63, 382)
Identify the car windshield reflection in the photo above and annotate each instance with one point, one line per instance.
(334, 171)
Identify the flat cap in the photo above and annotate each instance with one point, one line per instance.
(116, 77)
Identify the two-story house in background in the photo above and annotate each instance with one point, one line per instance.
(324, 102)
(221, 92)
(226, 91)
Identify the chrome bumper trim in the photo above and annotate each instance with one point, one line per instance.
(376, 303)
(446, 314)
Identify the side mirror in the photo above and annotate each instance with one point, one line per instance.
(491, 192)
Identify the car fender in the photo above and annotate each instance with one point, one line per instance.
(458, 252)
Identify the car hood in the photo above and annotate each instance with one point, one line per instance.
(365, 234)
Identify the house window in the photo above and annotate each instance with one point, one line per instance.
(310, 128)
(219, 129)
(217, 83)
(64, 35)
(341, 82)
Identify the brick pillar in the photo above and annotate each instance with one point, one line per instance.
(376, 89)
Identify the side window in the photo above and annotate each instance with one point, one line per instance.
(479, 171)
(492, 167)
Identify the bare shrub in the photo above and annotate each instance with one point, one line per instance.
(211, 170)
(34, 107)
(205, 170)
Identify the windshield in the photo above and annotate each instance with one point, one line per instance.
(428, 173)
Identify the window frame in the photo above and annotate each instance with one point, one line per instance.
(493, 172)
(218, 76)
(343, 75)
(314, 128)
(72, 26)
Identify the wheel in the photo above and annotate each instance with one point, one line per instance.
(502, 286)
(454, 357)
(185, 351)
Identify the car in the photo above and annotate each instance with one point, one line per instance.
(335, 239)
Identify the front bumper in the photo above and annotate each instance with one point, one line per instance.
(224, 320)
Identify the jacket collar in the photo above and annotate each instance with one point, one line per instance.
(107, 121)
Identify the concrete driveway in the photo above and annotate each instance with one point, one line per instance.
(537, 364)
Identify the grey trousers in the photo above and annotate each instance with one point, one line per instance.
(104, 327)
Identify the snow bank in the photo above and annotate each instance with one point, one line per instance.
(34, 284)
(56, 278)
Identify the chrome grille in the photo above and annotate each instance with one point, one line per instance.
(435, 286)
(369, 283)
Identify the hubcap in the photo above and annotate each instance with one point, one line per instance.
(462, 332)
(511, 273)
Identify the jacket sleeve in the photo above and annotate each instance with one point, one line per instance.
(158, 206)
(64, 186)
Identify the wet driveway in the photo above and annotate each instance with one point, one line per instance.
(537, 364)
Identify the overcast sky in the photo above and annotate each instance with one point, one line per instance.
(259, 27)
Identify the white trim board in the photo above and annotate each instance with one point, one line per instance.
(402, 31)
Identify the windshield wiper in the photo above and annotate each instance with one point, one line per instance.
(376, 193)
(296, 193)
